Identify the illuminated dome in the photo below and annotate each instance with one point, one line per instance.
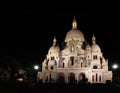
(94, 46)
(75, 33)
(54, 48)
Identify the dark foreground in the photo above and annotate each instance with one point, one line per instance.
(20, 87)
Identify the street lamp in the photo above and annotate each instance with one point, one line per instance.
(36, 67)
(115, 66)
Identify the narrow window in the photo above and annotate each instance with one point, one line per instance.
(81, 64)
(96, 77)
(52, 58)
(51, 67)
(63, 65)
(95, 57)
(100, 78)
(93, 78)
(50, 77)
(47, 62)
(95, 67)
(72, 61)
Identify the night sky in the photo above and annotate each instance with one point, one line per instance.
(27, 34)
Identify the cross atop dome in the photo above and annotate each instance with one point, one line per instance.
(74, 24)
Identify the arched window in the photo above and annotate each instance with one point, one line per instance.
(96, 77)
(47, 62)
(72, 61)
(52, 58)
(51, 68)
(82, 76)
(100, 78)
(93, 78)
(63, 65)
(95, 67)
(61, 77)
(95, 57)
(71, 78)
(81, 64)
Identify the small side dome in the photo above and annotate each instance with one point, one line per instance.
(95, 48)
(54, 49)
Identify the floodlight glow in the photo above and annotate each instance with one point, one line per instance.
(36, 67)
(115, 66)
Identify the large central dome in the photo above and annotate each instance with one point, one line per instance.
(74, 33)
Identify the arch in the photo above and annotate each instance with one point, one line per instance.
(95, 67)
(82, 76)
(61, 77)
(71, 77)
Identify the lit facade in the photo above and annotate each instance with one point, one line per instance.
(75, 62)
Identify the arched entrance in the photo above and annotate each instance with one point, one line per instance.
(71, 78)
(82, 78)
(61, 77)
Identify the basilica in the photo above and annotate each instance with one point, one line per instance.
(75, 62)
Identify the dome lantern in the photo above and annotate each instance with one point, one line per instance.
(74, 24)
(54, 41)
(74, 33)
(93, 39)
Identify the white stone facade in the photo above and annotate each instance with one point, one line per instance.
(75, 62)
